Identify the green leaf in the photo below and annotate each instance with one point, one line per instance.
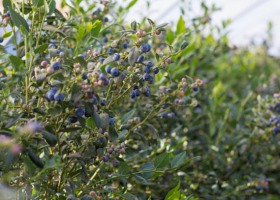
(122, 133)
(134, 25)
(124, 168)
(38, 3)
(132, 3)
(7, 4)
(162, 160)
(7, 34)
(184, 45)
(18, 20)
(96, 27)
(90, 123)
(50, 138)
(151, 22)
(181, 28)
(41, 48)
(52, 6)
(128, 116)
(16, 62)
(179, 159)
(81, 61)
(53, 29)
(133, 55)
(174, 194)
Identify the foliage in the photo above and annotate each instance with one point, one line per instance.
(95, 107)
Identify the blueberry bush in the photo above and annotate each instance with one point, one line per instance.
(96, 107)
(83, 102)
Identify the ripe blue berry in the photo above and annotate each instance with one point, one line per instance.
(84, 76)
(145, 48)
(137, 92)
(101, 60)
(110, 50)
(102, 76)
(80, 112)
(115, 163)
(151, 80)
(116, 57)
(103, 102)
(149, 64)
(147, 92)
(164, 115)
(125, 45)
(146, 77)
(105, 19)
(112, 121)
(51, 45)
(56, 65)
(133, 94)
(171, 114)
(1, 39)
(108, 69)
(72, 119)
(276, 130)
(82, 55)
(106, 158)
(54, 89)
(147, 69)
(140, 59)
(50, 95)
(115, 72)
(156, 70)
(58, 97)
(195, 88)
(105, 39)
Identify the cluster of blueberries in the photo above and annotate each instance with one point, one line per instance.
(53, 95)
(275, 120)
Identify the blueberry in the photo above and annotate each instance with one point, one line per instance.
(276, 108)
(110, 50)
(276, 130)
(137, 92)
(1, 39)
(195, 88)
(105, 39)
(94, 98)
(103, 102)
(145, 48)
(146, 77)
(106, 82)
(51, 45)
(133, 94)
(50, 95)
(108, 69)
(80, 112)
(56, 65)
(54, 89)
(106, 158)
(115, 72)
(148, 92)
(171, 114)
(156, 70)
(82, 55)
(72, 119)
(140, 59)
(84, 76)
(135, 87)
(101, 60)
(116, 57)
(125, 45)
(112, 121)
(58, 97)
(149, 64)
(164, 115)
(102, 76)
(105, 19)
(147, 69)
(151, 80)
(115, 163)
